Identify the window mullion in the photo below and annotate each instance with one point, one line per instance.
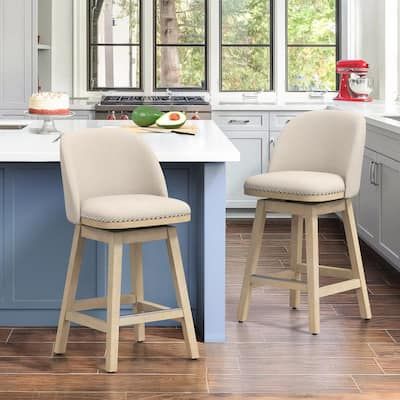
(147, 43)
(280, 50)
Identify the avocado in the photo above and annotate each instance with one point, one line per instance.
(146, 115)
(172, 120)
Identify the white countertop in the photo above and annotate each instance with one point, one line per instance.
(268, 106)
(376, 113)
(209, 145)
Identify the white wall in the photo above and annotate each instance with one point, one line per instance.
(370, 33)
(378, 43)
(62, 46)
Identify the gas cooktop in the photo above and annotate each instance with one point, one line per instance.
(156, 100)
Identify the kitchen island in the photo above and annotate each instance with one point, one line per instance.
(35, 237)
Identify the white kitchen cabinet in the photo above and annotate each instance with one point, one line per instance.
(18, 52)
(254, 133)
(388, 181)
(253, 149)
(13, 114)
(248, 130)
(377, 206)
(367, 201)
(242, 121)
(278, 120)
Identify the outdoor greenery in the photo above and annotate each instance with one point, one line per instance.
(311, 23)
(245, 25)
(189, 22)
(246, 48)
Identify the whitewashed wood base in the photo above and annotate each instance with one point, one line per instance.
(145, 311)
(306, 214)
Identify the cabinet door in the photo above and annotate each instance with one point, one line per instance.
(278, 120)
(389, 216)
(273, 138)
(13, 115)
(253, 155)
(367, 202)
(17, 52)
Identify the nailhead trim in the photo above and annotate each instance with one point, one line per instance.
(118, 220)
(272, 190)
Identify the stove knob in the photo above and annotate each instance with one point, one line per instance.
(112, 116)
(196, 116)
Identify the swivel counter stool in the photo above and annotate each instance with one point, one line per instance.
(315, 170)
(115, 192)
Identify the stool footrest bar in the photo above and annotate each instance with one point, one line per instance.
(173, 313)
(148, 306)
(333, 272)
(87, 320)
(340, 287)
(260, 280)
(100, 302)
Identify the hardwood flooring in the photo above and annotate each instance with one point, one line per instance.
(272, 356)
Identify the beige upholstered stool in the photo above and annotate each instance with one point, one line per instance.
(115, 192)
(315, 170)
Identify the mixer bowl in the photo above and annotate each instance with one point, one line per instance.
(361, 86)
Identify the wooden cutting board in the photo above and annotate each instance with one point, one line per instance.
(187, 129)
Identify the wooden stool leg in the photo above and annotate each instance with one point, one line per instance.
(136, 255)
(356, 259)
(71, 286)
(113, 305)
(313, 273)
(252, 259)
(296, 254)
(182, 296)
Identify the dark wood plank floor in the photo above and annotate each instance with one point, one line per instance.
(272, 356)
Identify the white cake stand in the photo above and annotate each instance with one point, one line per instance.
(49, 126)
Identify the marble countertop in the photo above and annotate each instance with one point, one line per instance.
(209, 145)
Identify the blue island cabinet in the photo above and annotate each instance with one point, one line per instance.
(35, 240)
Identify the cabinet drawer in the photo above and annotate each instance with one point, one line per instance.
(279, 120)
(240, 122)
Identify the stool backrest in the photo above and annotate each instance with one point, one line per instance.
(323, 141)
(103, 162)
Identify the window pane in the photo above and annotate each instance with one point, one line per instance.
(115, 21)
(246, 21)
(115, 66)
(180, 21)
(312, 69)
(246, 68)
(311, 22)
(181, 67)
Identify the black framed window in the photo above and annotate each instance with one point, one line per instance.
(114, 44)
(313, 44)
(180, 46)
(246, 53)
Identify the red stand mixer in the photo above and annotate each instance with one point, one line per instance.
(354, 82)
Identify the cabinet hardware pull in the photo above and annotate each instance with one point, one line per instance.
(376, 174)
(239, 121)
(371, 170)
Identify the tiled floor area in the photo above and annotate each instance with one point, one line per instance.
(271, 356)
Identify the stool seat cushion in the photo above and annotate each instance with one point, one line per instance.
(304, 186)
(133, 211)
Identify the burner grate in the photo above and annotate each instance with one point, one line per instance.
(155, 100)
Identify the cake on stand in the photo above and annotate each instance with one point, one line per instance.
(49, 126)
(49, 107)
